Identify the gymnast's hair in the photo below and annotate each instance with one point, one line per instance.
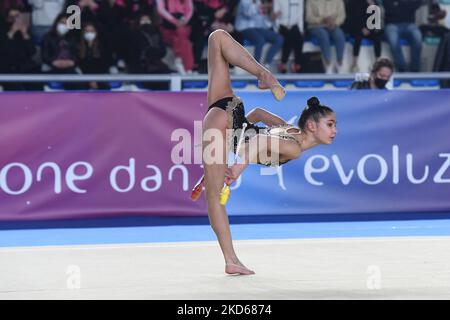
(314, 111)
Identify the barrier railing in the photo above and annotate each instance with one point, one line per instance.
(176, 81)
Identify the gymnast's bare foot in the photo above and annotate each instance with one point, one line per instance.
(268, 81)
(237, 268)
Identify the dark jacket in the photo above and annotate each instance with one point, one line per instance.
(202, 18)
(360, 84)
(95, 59)
(52, 45)
(401, 11)
(16, 54)
(148, 50)
(111, 17)
(357, 15)
(442, 59)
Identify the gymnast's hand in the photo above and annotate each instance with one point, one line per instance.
(232, 173)
(229, 176)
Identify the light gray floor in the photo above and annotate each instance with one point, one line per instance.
(343, 268)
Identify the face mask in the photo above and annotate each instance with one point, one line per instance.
(90, 36)
(145, 22)
(380, 83)
(62, 29)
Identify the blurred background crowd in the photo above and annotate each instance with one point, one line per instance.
(136, 36)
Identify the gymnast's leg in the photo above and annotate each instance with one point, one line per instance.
(229, 51)
(217, 119)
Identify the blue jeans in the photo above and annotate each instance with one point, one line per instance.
(259, 37)
(38, 33)
(324, 37)
(412, 33)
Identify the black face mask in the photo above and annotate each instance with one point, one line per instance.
(380, 83)
(147, 28)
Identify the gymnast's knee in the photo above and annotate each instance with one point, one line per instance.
(216, 35)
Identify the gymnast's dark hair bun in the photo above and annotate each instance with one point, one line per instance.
(313, 111)
(313, 102)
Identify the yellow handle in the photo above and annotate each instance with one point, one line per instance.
(224, 195)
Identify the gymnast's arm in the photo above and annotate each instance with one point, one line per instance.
(264, 116)
(252, 151)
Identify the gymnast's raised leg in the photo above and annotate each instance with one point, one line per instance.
(222, 51)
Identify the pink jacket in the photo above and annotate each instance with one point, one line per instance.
(175, 6)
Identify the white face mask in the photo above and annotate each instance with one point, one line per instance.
(90, 36)
(62, 29)
(145, 22)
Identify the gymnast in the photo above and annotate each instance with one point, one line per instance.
(274, 144)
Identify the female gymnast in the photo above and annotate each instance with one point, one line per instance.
(272, 145)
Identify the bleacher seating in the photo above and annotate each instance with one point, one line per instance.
(365, 61)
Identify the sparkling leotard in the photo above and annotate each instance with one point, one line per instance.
(236, 117)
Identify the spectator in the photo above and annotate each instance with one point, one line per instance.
(442, 60)
(17, 50)
(289, 17)
(358, 29)
(93, 55)
(176, 32)
(59, 49)
(324, 18)
(380, 75)
(434, 24)
(148, 48)
(209, 15)
(133, 8)
(228, 20)
(88, 10)
(5, 5)
(254, 25)
(111, 16)
(44, 12)
(400, 22)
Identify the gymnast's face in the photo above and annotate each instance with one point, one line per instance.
(325, 130)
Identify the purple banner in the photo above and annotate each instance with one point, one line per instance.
(391, 154)
(78, 155)
(67, 155)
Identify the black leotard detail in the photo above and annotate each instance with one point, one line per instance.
(236, 117)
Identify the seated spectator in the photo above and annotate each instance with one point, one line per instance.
(148, 48)
(89, 10)
(379, 76)
(133, 8)
(175, 15)
(93, 56)
(400, 23)
(209, 15)
(434, 25)
(324, 19)
(17, 50)
(43, 13)
(111, 16)
(289, 18)
(254, 25)
(442, 59)
(358, 29)
(5, 6)
(59, 49)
